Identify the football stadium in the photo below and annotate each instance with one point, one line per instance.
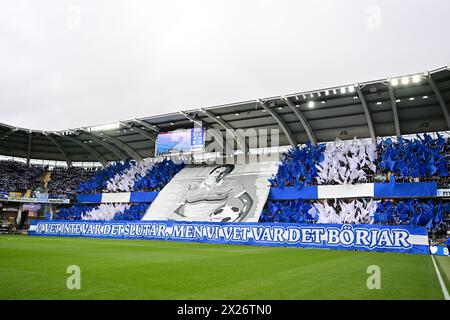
(338, 192)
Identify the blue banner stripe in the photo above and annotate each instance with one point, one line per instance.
(407, 190)
(291, 193)
(89, 198)
(403, 239)
(381, 190)
(143, 196)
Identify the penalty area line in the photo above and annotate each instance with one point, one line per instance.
(441, 281)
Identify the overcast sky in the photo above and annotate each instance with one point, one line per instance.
(65, 64)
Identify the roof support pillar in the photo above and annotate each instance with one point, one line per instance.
(398, 132)
(280, 122)
(144, 133)
(29, 147)
(94, 153)
(128, 150)
(119, 154)
(60, 148)
(441, 100)
(311, 136)
(367, 113)
(229, 129)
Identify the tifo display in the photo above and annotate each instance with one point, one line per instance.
(392, 184)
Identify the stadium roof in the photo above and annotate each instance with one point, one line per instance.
(396, 106)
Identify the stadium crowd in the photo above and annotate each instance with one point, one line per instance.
(422, 159)
(19, 177)
(432, 214)
(130, 176)
(122, 177)
(65, 180)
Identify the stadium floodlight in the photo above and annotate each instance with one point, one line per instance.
(412, 99)
(237, 114)
(172, 123)
(355, 97)
(343, 90)
(378, 103)
(327, 93)
(425, 97)
(319, 94)
(405, 80)
(398, 100)
(311, 95)
(304, 96)
(351, 89)
(311, 104)
(323, 102)
(416, 78)
(394, 82)
(280, 108)
(104, 127)
(334, 91)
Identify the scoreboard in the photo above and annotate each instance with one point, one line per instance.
(183, 141)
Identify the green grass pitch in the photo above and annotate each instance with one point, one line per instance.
(35, 268)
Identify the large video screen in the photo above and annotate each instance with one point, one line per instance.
(180, 141)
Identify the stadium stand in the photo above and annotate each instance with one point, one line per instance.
(327, 175)
(18, 177)
(65, 180)
(125, 176)
(421, 159)
(131, 176)
(99, 181)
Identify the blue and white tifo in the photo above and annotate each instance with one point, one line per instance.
(345, 237)
(344, 195)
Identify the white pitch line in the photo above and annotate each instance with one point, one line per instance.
(441, 282)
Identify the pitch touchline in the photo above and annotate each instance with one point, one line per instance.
(441, 282)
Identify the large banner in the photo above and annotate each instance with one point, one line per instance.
(340, 237)
(216, 193)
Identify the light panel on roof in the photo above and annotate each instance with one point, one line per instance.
(104, 127)
(405, 80)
